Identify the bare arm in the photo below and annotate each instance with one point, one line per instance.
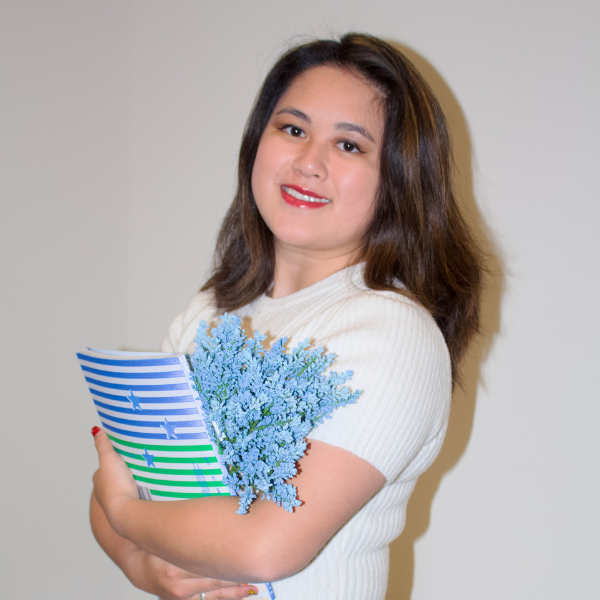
(206, 536)
(152, 574)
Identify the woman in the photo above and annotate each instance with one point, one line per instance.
(344, 229)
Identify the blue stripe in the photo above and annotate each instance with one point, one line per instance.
(149, 423)
(158, 412)
(131, 375)
(145, 362)
(146, 399)
(139, 388)
(201, 435)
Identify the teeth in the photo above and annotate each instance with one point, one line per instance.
(304, 197)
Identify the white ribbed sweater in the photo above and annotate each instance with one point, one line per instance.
(401, 363)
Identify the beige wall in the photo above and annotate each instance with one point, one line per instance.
(120, 122)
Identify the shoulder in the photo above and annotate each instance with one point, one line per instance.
(389, 339)
(184, 326)
(401, 363)
(387, 322)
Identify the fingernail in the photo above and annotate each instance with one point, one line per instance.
(251, 591)
(95, 430)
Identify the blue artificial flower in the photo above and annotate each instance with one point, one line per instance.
(262, 404)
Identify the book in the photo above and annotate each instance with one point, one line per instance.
(150, 410)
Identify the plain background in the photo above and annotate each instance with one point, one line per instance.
(120, 123)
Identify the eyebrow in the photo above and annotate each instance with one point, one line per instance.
(296, 113)
(343, 126)
(354, 127)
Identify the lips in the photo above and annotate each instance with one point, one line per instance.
(302, 198)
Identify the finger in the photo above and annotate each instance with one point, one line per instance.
(197, 583)
(178, 583)
(102, 443)
(216, 589)
(106, 452)
(230, 593)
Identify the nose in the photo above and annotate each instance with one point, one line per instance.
(311, 160)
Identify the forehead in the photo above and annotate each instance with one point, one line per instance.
(335, 94)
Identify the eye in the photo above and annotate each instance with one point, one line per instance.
(293, 130)
(350, 147)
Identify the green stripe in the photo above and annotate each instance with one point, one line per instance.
(171, 459)
(178, 495)
(166, 448)
(170, 483)
(129, 454)
(173, 471)
(185, 459)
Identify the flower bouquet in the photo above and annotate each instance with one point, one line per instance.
(260, 404)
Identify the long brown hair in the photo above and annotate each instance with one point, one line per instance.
(417, 235)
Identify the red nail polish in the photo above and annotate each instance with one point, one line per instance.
(95, 430)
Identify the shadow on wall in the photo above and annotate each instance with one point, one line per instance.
(402, 561)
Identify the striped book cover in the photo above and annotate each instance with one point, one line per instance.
(152, 415)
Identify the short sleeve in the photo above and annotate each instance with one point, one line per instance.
(182, 330)
(401, 363)
(171, 341)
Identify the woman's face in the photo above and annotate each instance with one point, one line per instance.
(316, 171)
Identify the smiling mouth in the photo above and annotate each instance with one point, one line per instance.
(304, 197)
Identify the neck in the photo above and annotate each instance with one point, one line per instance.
(296, 270)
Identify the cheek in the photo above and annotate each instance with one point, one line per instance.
(263, 189)
(360, 188)
(264, 169)
(360, 192)
(257, 175)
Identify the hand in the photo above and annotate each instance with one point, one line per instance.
(168, 582)
(113, 481)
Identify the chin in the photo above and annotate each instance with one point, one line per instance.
(293, 235)
(301, 243)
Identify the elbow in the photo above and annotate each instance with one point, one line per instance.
(271, 556)
(269, 568)
(264, 571)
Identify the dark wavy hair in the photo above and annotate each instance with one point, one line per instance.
(417, 235)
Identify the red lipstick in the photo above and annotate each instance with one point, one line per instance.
(302, 198)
